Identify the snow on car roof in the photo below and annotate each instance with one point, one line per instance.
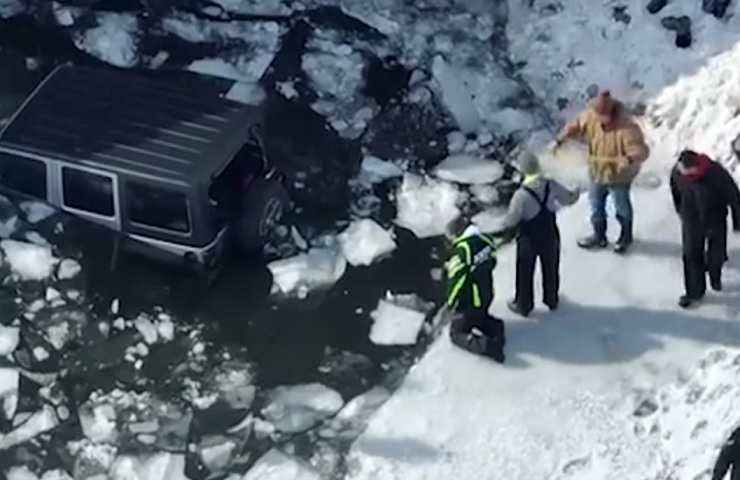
(174, 128)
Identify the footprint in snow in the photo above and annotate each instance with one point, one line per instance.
(576, 464)
(698, 428)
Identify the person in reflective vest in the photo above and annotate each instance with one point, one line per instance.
(532, 212)
(470, 289)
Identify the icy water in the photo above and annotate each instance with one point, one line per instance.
(232, 325)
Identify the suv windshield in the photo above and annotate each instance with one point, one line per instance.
(227, 190)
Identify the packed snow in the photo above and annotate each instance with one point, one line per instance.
(364, 242)
(299, 407)
(275, 465)
(425, 205)
(396, 320)
(29, 261)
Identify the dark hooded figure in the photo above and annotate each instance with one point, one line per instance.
(702, 192)
(729, 456)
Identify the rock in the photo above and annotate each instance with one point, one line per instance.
(718, 8)
(646, 408)
(654, 6)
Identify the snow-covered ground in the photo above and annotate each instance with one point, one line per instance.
(562, 406)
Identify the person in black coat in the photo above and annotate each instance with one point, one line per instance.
(702, 192)
(728, 457)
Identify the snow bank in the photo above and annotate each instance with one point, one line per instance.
(114, 40)
(316, 269)
(469, 169)
(425, 206)
(398, 319)
(28, 261)
(275, 465)
(297, 408)
(364, 241)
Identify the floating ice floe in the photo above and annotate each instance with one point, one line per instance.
(318, 268)
(68, 269)
(377, 170)
(455, 96)
(469, 169)
(297, 408)
(29, 261)
(398, 319)
(425, 206)
(364, 242)
(39, 422)
(36, 211)
(275, 465)
(9, 378)
(9, 338)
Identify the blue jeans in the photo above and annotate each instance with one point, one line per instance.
(622, 202)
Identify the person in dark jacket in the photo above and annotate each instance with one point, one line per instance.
(470, 289)
(702, 191)
(532, 213)
(729, 457)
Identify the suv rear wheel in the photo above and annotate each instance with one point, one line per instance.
(263, 206)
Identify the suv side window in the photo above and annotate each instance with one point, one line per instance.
(24, 175)
(158, 208)
(87, 191)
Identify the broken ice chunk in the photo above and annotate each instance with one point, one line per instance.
(9, 338)
(36, 211)
(29, 261)
(297, 408)
(469, 169)
(315, 269)
(68, 269)
(275, 465)
(147, 329)
(41, 421)
(397, 320)
(364, 241)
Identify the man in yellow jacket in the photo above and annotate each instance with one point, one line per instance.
(617, 150)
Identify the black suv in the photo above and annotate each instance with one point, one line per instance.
(168, 162)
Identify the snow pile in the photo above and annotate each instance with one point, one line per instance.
(398, 319)
(275, 465)
(114, 40)
(364, 242)
(425, 206)
(318, 268)
(469, 169)
(28, 261)
(297, 408)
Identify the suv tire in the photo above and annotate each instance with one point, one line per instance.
(262, 208)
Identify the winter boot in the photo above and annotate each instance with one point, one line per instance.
(515, 308)
(715, 280)
(597, 239)
(687, 302)
(656, 5)
(625, 236)
(682, 26)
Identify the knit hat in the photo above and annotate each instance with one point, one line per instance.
(528, 163)
(687, 158)
(604, 104)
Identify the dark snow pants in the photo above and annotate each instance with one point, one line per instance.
(478, 332)
(704, 251)
(546, 248)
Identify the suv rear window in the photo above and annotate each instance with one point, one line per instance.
(154, 207)
(87, 191)
(24, 175)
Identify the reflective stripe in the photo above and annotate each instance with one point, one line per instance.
(468, 252)
(531, 178)
(476, 296)
(453, 270)
(455, 292)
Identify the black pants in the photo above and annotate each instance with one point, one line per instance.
(528, 250)
(704, 251)
(489, 340)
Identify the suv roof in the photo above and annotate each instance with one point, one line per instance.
(177, 129)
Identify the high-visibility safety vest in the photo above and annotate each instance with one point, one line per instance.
(474, 256)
